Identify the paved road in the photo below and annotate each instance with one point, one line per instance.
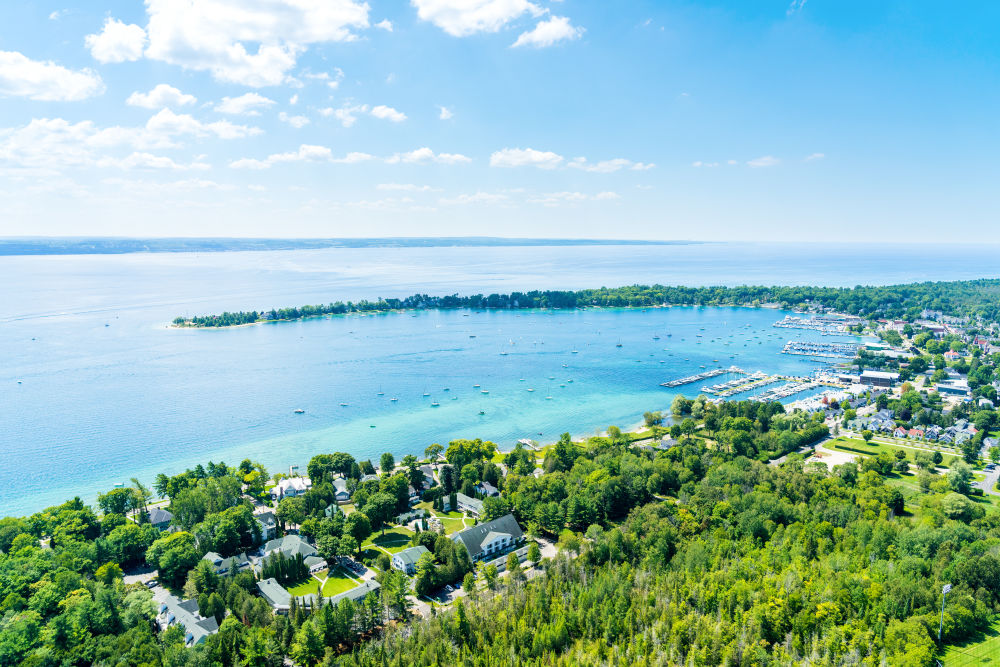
(988, 484)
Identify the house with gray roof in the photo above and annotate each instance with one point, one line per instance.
(160, 518)
(406, 560)
(356, 594)
(268, 525)
(222, 566)
(275, 594)
(490, 539)
(473, 506)
(290, 546)
(174, 611)
(340, 491)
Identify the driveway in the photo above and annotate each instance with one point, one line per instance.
(991, 479)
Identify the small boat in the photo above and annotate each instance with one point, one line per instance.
(19, 382)
(299, 411)
(471, 336)
(503, 354)
(475, 386)
(454, 398)
(435, 404)
(343, 405)
(618, 345)
(548, 398)
(371, 426)
(446, 389)
(482, 412)
(568, 380)
(394, 399)
(575, 352)
(484, 391)
(426, 394)
(531, 390)
(656, 338)
(521, 380)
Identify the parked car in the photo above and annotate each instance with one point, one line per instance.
(449, 588)
(152, 583)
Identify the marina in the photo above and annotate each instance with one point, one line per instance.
(715, 372)
(816, 349)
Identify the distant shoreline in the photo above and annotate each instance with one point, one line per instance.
(34, 246)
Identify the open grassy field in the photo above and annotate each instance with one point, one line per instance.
(394, 540)
(308, 587)
(858, 446)
(984, 651)
(452, 525)
(338, 582)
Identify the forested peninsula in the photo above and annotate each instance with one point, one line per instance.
(979, 299)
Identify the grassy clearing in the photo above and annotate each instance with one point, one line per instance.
(394, 540)
(308, 587)
(337, 583)
(983, 651)
(858, 446)
(452, 525)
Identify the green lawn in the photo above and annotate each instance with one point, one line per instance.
(394, 540)
(307, 587)
(338, 582)
(452, 525)
(985, 651)
(858, 446)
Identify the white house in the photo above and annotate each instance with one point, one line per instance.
(290, 488)
(490, 539)
(406, 560)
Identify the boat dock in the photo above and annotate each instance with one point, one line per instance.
(785, 391)
(715, 372)
(755, 381)
(811, 349)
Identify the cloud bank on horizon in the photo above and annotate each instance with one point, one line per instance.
(498, 117)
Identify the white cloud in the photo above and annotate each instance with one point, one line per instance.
(546, 33)
(557, 198)
(525, 157)
(461, 18)
(161, 96)
(297, 122)
(384, 24)
(117, 42)
(45, 81)
(699, 164)
(609, 166)
(149, 161)
(475, 198)
(250, 42)
(795, 6)
(305, 153)
(293, 100)
(445, 114)
(765, 161)
(814, 156)
(405, 187)
(388, 113)
(247, 105)
(353, 158)
(57, 14)
(347, 114)
(168, 123)
(56, 143)
(423, 155)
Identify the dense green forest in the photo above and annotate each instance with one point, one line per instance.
(972, 298)
(700, 554)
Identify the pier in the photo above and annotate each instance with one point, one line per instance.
(811, 349)
(715, 372)
(785, 391)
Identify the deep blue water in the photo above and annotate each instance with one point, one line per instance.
(109, 392)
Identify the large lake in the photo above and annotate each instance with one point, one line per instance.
(107, 391)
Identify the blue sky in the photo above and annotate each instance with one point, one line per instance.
(756, 120)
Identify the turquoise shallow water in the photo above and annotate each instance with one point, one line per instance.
(108, 392)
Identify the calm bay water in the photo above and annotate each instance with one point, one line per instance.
(109, 392)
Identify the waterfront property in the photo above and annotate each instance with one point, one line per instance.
(268, 525)
(490, 539)
(290, 488)
(464, 503)
(879, 378)
(160, 518)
